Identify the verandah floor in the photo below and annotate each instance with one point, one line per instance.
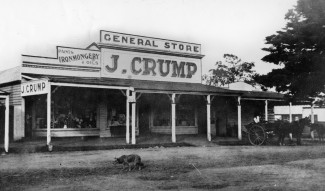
(96, 143)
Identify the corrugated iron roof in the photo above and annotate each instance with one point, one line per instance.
(10, 75)
(160, 86)
(262, 95)
(141, 85)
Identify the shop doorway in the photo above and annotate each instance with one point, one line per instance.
(144, 118)
(202, 120)
(116, 113)
(35, 114)
(28, 118)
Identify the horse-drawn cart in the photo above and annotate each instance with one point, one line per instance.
(258, 133)
(262, 132)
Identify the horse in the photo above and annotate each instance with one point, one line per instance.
(320, 129)
(284, 128)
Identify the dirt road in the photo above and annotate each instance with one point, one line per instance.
(182, 168)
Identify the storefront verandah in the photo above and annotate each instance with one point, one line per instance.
(113, 107)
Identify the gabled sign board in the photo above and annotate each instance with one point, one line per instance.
(78, 57)
(122, 56)
(135, 41)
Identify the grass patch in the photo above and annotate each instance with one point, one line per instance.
(168, 187)
(157, 177)
(210, 186)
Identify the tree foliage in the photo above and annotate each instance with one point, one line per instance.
(300, 49)
(233, 69)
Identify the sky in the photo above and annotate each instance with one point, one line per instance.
(239, 27)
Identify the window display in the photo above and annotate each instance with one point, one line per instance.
(117, 120)
(162, 117)
(73, 108)
(162, 112)
(185, 114)
(116, 110)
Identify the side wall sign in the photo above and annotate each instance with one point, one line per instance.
(35, 88)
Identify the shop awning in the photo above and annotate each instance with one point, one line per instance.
(145, 86)
(262, 95)
(142, 85)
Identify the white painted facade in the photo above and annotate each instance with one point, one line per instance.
(318, 111)
(301, 110)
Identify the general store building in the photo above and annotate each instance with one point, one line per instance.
(123, 86)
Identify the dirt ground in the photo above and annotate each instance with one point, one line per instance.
(180, 168)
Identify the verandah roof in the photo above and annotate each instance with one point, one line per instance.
(141, 85)
(161, 87)
(262, 95)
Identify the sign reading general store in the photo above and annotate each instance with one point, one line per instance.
(135, 41)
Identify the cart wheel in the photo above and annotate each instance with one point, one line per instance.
(256, 135)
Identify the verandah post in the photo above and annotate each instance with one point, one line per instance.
(7, 124)
(48, 133)
(290, 112)
(266, 112)
(127, 136)
(312, 120)
(23, 108)
(239, 119)
(208, 117)
(133, 116)
(174, 118)
(290, 118)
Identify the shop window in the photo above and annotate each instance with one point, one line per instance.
(285, 117)
(162, 114)
(117, 117)
(294, 117)
(74, 108)
(185, 115)
(315, 117)
(116, 108)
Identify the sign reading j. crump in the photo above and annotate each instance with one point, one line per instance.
(135, 41)
(34, 88)
(78, 57)
(143, 66)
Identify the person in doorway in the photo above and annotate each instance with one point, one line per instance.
(257, 119)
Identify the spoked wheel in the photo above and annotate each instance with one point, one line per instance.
(256, 135)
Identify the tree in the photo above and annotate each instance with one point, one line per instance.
(300, 49)
(229, 71)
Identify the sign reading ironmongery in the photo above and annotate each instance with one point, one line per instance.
(34, 88)
(78, 57)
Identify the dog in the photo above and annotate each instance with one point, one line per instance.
(129, 161)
